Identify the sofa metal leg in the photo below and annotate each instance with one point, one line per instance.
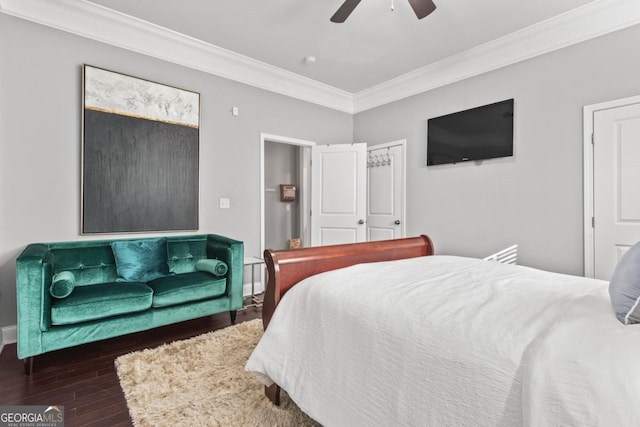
(28, 365)
(233, 313)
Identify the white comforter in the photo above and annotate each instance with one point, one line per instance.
(448, 341)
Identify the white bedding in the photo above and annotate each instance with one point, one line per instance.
(450, 341)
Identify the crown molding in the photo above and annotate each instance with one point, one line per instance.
(592, 20)
(87, 19)
(99, 23)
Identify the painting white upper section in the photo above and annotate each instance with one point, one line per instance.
(376, 57)
(121, 94)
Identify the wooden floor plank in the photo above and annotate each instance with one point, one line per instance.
(83, 379)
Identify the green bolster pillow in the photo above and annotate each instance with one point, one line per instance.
(213, 266)
(62, 284)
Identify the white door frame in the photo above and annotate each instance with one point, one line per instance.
(305, 190)
(403, 143)
(587, 135)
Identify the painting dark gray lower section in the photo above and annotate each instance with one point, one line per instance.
(138, 175)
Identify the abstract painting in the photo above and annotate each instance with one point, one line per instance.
(140, 155)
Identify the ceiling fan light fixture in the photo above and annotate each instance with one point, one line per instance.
(421, 8)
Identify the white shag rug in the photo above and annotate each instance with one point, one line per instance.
(201, 382)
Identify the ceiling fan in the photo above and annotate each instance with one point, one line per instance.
(421, 8)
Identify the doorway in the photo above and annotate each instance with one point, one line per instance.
(384, 192)
(284, 161)
(611, 183)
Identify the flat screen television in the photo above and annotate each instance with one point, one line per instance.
(479, 133)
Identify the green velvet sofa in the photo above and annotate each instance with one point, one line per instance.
(101, 304)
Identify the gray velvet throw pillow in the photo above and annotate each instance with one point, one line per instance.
(624, 287)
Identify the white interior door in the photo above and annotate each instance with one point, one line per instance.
(616, 185)
(386, 201)
(338, 194)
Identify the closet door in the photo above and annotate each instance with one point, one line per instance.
(386, 191)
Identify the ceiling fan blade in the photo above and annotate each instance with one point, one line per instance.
(422, 8)
(344, 11)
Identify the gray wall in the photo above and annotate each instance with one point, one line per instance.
(40, 140)
(535, 198)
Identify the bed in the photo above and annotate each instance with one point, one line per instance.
(387, 333)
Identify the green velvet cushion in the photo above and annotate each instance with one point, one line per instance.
(100, 301)
(181, 288)
(141, 260)
(62, 284)
(214, 266)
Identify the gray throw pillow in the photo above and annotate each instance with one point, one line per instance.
(624, 287)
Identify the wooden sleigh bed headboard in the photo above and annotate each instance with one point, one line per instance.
(285, 268)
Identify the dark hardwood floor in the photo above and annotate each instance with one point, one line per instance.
(83, 379)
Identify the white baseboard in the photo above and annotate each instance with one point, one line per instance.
(9, 335)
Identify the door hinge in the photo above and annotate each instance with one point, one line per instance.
(593, 222)
(593, 139)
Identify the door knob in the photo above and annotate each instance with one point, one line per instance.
(361, 222)
(396, 222)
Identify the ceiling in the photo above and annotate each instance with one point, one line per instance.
(374, 45)
(376, 57)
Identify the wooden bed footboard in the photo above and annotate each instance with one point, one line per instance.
(285, 268)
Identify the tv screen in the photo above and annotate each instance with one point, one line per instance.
(484, 132)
